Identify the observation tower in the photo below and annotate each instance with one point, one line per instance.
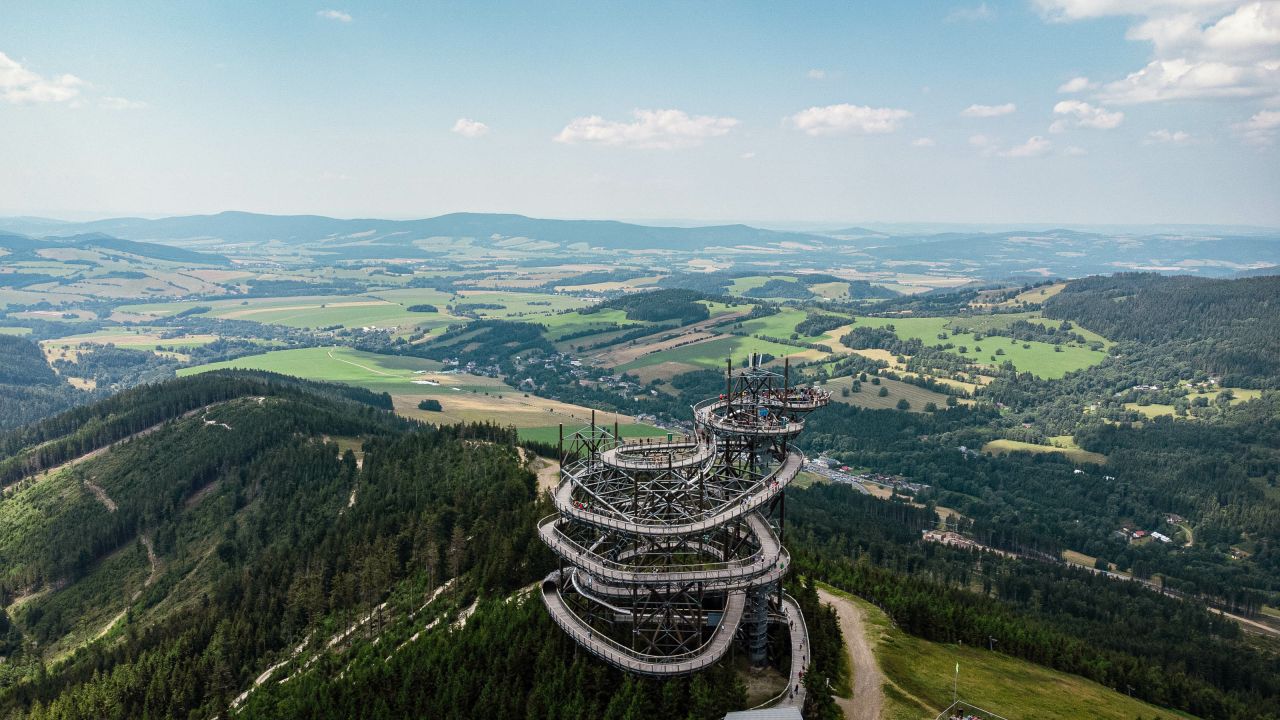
(671, 549)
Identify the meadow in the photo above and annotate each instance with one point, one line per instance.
(919, 679)
(409, 381)
(1038, 358)
(870, 398)
(712, 353)
(1001, 447)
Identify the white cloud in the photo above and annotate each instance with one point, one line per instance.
(981, 11)
(1033, 147)
(1074, 151)
(19, 86)
(1064, 10)
(986, 111)
(1201, 49)
(816, 74)
(1076, 84)
(923, 142)
(1261, 129)
(979, 140)
(846, 118)
(119, 103)
(337, 15)
(748, 156)
(660, 129)
(1179, 79)
(1082, 114)
(467, 127)
(1167, 137)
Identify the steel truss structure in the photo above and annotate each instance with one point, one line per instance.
(671, 549)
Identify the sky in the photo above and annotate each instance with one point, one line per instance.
(1037, 111)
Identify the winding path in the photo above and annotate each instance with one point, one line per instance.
(868, 681)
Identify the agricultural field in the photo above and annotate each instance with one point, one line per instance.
(920, 677)
(132, 338)
(1154, 410)
(409, 381)
(1038, 358)
(713, 352)
(387, 309)
(783, 325)
(870, 399)
(1000, 447)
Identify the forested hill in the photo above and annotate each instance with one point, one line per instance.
(1226, 327)
(251, 529)
(29, 388)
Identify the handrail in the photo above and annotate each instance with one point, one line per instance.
(793, 678)
(621, 656)
(774, 483)
(765, 566)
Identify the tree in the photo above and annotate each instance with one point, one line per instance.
(430, 405)
(884, 392)
(903, 404)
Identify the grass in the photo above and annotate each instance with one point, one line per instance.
(781, 324)
(384, 309)
(712, 353)
(1157, 410)
(1000, 447)
(920, 674)
(15, 331)
(870, 397)
(1037, 358)
(380, 373)
(409, 380)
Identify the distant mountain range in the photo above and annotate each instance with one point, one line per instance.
(311, 230)
(22, 247)
(1028, 253)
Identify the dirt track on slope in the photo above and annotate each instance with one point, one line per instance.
(868, 693)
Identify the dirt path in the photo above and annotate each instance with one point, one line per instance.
(101, 494)
(868, 694)
(362, 367)
(155, 567)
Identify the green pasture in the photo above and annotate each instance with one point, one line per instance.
(712, 354)
(1037, 358)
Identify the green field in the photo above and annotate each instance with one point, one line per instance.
(712, 353)
(870, 396)
(782, 325)
(1152, 410)
(1000, 447)
(380, 373)
(1037, 358)
(920, 675)
(409, 380)
(15, 331)
(388, 309)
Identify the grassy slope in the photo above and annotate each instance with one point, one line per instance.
(1039, 358)
(870, 398)
(1000, 447)
(465, 398)
(920, 675)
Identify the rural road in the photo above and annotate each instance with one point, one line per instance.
(868, 695)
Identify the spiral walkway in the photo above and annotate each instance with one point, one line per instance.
(670, 550)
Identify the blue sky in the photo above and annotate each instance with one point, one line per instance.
(1058, 111)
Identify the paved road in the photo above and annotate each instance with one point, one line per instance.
(868, 681)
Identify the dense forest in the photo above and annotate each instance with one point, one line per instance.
(29, 388)
(266, 540)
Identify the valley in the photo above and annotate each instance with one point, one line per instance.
(1038, 430)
